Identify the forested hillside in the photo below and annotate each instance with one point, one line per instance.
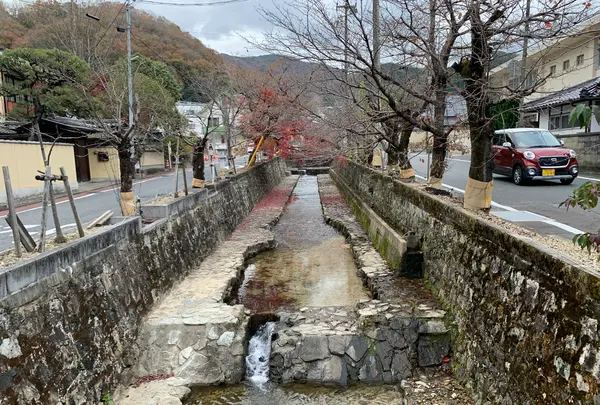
(65, 26)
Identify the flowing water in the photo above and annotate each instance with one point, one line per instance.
(298, 394)
(259, 351)
(311, 266)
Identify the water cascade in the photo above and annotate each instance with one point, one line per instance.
(259, 351)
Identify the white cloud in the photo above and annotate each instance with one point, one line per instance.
(223, 28)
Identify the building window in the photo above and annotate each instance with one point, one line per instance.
(580, 59)
(532, 78)
(213, 121)
(559, 119)
(566, 65)
(553, 70)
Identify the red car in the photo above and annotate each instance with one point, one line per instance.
(533, 154)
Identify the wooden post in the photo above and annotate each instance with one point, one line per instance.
(60, 238)
(185, 186)
(12, 210)
(176, 179)
(65, 178)
(42, 245)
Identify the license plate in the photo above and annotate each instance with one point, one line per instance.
(549, 172)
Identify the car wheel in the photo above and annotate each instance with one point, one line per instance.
(518, 176)
(567, 181)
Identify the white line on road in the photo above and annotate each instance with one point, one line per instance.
(91, 194)
(53, 230)
(494, 204)
(507, 208)
(560, 225)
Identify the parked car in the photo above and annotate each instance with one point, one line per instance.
(533, 154)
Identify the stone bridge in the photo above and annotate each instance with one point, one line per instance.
(462, 313)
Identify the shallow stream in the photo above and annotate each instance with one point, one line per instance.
(312, 265)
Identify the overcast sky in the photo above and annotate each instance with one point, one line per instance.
(223, 27)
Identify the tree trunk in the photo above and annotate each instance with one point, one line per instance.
(198, 164)
(126, 169)
(406, 170)
(478, 192)
(185, 184)
(390, 127)
(440, 139)
(403, 156)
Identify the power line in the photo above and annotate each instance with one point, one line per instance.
(212, 3)
(110, 25)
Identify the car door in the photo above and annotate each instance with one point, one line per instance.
(502, 154)
(499, 151)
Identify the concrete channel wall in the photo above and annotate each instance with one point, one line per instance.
(68, 332)
(527, 317)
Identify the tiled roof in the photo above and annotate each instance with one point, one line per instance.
(585, 90)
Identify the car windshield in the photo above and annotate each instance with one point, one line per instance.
(534, 139)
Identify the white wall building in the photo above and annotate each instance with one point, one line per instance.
(569, 68)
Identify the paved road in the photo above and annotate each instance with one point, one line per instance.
(92, 205)
(534, 206)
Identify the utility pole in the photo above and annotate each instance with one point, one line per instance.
(346, 6)
(523, 70)
(129, 74)
(376, 35)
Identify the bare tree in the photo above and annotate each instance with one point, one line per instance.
(417, 43)
(492, 27)
(154, 105)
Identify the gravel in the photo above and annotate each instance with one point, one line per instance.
(8, 258)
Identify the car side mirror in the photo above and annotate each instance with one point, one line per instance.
(562, 143)
(507, 145)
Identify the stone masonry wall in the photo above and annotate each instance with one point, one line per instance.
(527, 318)
(77, 341)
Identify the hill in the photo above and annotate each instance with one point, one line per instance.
(275, 63)
(65, 26)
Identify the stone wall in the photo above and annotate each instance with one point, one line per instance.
(527, 318)
(76, 340)
(587, 147)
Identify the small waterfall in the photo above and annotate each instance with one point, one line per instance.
(259, 351)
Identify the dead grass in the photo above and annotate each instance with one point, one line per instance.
(9, 258)
(163, 200)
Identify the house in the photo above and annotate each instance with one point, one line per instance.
(455, 117)
(566, 66)
(206, 117)
(570, 70)
(95, 159)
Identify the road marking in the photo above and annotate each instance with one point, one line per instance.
(588, 178)
(507, 208)
(564, 226)
(53, 230)
(494, 204)
(94, 193)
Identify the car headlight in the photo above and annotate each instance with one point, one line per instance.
(572, 153)
(529, 154)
